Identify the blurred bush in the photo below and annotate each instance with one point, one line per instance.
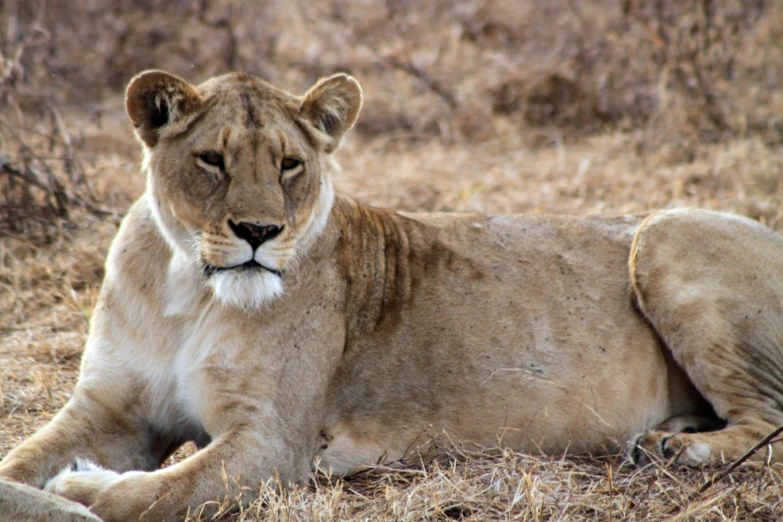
(41, 178)
(668, 71)
(693, 69)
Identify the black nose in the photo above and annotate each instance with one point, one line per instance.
(254, 234)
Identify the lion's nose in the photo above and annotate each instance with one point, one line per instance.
(254, 234)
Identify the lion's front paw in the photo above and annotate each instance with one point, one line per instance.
(81, 481)
(663, 447)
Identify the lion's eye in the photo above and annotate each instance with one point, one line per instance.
(213, 159)
(289, 164)
(290, 168)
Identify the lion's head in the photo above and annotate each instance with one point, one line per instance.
(239, 172)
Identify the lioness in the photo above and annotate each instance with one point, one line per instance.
(249, 308)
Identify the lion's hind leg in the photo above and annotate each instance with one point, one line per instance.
(711, 285)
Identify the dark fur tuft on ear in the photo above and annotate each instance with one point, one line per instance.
(155, 99)
(332, 106)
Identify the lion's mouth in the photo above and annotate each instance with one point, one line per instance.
(247, 265)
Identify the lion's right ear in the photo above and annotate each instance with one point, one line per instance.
(332, 105)
(156, 99)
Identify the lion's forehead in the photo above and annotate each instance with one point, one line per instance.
(249, 100)
(241, 122)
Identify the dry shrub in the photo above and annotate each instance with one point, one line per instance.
(97, 46)
(41, 179)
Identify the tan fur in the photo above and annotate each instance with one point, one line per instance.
(23, 503)
(371, 336)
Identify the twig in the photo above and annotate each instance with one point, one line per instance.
(431, 83)
(71, 158)
(6, 168)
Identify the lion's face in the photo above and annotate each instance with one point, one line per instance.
(239, 172)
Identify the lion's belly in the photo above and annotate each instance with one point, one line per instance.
(532, 407)
(582, 384)
(539, 349)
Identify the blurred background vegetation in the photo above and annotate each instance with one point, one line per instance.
(674, 73)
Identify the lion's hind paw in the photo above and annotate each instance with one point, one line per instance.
(682, 449)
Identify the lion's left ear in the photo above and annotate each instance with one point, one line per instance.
(332, 105)
(157, 100)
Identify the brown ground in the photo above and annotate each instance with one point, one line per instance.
(497, 107)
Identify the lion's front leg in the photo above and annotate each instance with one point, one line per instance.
(227, 472)
(91, 426)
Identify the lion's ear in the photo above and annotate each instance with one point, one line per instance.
(155, 99)
(332, 105)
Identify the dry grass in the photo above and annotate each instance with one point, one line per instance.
(520, 487)
(499, 107)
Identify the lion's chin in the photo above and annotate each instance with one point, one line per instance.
(246, 289)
